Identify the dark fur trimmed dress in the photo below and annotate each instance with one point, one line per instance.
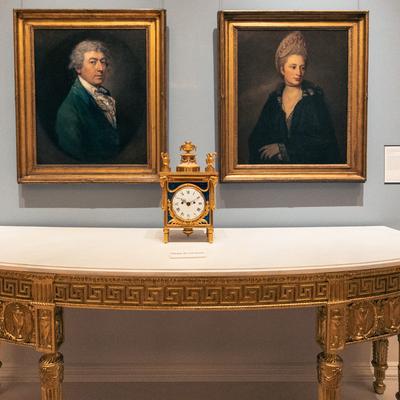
(307, 138)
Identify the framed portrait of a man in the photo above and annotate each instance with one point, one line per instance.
(293, 95)
(90, 95)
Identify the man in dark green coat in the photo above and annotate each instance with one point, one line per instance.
(86, 125)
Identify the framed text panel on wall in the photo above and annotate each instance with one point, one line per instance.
(90, 95)
(293, 95)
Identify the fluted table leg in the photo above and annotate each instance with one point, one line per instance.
(51, 376)
(379, 362)
(330, 371)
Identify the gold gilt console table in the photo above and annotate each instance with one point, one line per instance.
(351, 274)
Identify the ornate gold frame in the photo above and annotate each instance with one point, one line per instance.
(25, 24)
(356, 23)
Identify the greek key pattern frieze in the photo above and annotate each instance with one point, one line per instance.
(15, 288)
(373, 285)
(165, 294)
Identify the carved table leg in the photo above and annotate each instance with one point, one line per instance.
(398, 372)
(51, 376)
(331, 335)
(379, 362)
(330, 370)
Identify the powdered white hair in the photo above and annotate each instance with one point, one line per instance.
(292, 44)
(78, 53)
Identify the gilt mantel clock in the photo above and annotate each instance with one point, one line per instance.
(188, 195)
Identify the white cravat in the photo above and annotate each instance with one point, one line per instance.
(103, 99)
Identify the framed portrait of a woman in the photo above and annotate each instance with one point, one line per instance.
(293, 95)
(90, 95)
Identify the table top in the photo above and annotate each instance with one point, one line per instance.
(235, 251)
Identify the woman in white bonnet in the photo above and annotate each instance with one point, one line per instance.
(294, 125)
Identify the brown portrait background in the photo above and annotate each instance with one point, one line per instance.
(327, 67)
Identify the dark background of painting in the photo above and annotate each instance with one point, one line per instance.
(126, 80)
(257, 77)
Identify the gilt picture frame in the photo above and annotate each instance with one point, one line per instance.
(312, 128)
(90, 95)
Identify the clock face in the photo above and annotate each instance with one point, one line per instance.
(188, 203)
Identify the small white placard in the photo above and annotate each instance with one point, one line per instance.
(187, 254)
(392, 164)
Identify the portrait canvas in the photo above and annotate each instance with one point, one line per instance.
(325, 76)
(292, 96)
(125, 81)
(93, 81)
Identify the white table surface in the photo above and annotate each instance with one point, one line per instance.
(236, 251)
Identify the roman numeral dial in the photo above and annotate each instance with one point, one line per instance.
(188, 203)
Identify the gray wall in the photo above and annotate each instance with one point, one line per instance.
(201, 338)
(192, 115)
